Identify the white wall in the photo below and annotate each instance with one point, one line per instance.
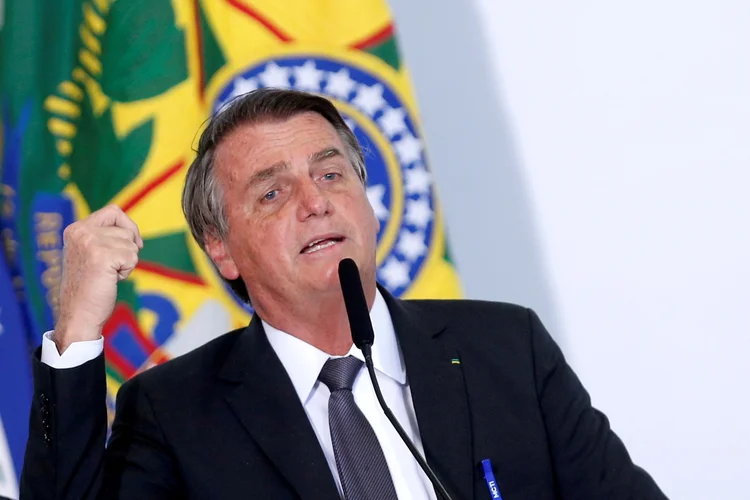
(608, 143)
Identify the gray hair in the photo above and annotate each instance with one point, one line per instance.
(202, 197)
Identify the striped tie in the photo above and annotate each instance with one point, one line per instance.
(361, 464)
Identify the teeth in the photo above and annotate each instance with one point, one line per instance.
(319, 245)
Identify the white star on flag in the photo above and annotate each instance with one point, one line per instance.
(340, 85)
(275, 76)
(394, 273)
(369, 99)
(392, 121)
(308, 77)
(243, 86)
(411, 245)
(418, 180)
(418, 212)
(408, 149)
(375, 195)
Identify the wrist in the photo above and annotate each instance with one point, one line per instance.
(67, 332)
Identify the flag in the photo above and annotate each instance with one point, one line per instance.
(15, 386)
(103, 101)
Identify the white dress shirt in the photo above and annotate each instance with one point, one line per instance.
(303, 363)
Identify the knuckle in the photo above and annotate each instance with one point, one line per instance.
(77, 236)
(112, 208)
(129, 259)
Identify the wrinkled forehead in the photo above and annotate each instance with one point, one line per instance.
(255, 146)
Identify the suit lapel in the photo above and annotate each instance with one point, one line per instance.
(265, 402)
(439, 396)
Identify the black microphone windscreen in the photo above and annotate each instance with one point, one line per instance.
(356, 303)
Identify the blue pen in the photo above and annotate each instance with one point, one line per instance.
(489, 476)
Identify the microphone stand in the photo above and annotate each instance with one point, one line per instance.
(363, 337)
(367, 352)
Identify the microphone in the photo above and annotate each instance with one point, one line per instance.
(363, 337)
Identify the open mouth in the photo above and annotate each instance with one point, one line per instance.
(321, 244)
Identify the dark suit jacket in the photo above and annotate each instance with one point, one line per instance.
(225, 422)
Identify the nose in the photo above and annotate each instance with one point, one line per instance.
(313, 201)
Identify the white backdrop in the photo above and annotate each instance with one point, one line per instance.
(594, 163)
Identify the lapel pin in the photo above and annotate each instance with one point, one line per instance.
(455, 361)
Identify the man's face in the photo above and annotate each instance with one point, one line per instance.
(295, 207)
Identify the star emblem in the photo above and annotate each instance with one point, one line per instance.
(408, 149)
(392, 122)
(275, 76)
(375, 195)
(242, 86)
(418, 180)
(418, 212)
(411, 245)
(369, 98)
(340, 85)
(394, 273)
(307, 77)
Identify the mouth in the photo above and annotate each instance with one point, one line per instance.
(321, 243)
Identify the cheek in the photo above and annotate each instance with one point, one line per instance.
(267, 239)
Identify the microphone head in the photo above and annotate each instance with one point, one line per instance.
(356, 304)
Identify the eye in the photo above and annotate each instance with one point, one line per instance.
(271, 195)
(331, 176)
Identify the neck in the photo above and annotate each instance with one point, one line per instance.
(320, 320)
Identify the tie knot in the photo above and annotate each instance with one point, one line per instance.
(339, 373)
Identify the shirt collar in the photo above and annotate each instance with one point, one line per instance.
(303, 361)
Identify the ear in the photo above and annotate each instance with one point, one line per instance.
(217, 249)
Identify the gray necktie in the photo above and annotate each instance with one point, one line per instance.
(360, 461)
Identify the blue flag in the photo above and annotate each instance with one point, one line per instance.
(15, 384)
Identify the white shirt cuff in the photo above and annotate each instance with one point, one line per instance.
(76, 354)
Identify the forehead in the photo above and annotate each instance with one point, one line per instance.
(256, 146)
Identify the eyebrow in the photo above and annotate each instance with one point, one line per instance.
(266, 173)
(329, 152)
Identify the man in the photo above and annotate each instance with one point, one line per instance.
(283, 409)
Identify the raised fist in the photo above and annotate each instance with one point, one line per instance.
(99, 251)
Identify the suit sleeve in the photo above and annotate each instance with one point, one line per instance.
(591, 462)
(65, 453)
(67, 432)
